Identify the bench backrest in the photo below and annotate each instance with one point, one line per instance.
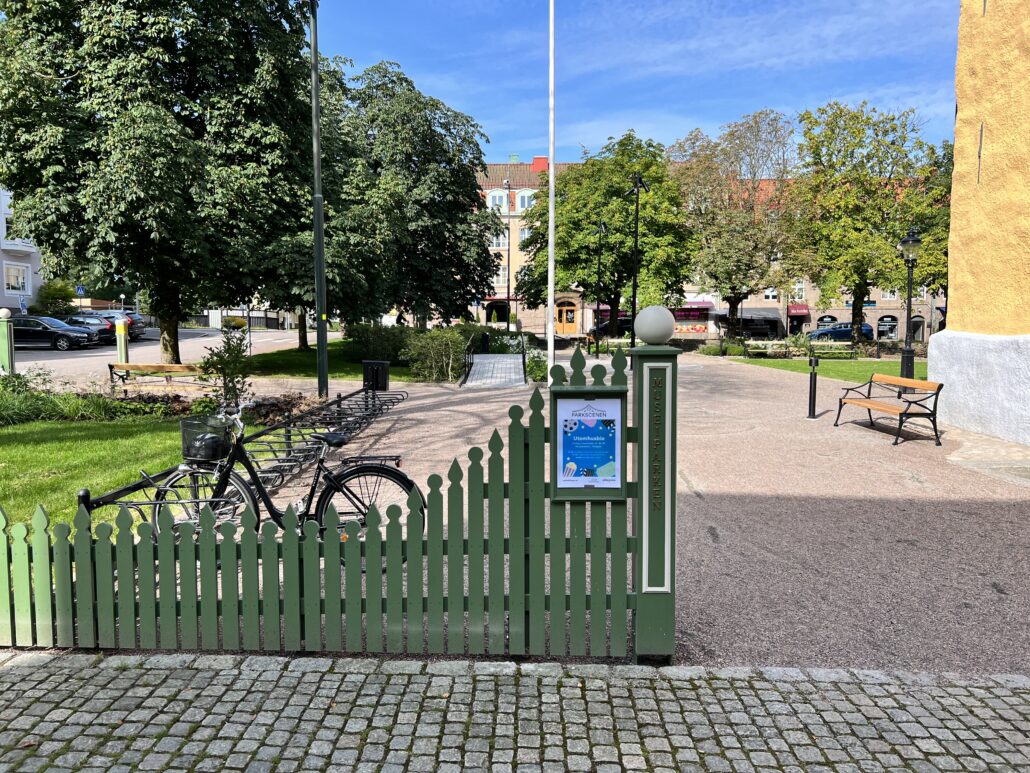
(910, 383)
(132, 367)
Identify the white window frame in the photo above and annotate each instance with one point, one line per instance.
(524, 234)
(500, 241)
(525, 192)
(772, 294)
(797, 291)
(888, 295)
(502, 205)
(28, 279)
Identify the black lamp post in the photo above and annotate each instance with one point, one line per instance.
(507, 280)
(602, 229)
(909, 248)
(638, 183)
(318, 204)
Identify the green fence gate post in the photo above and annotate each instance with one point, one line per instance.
(121, 332)
(6, 345)
(654, 417)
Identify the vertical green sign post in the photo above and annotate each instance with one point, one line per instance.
(121, 332)
(6, 344)
(654, 419)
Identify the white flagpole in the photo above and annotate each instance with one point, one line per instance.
(550, 206)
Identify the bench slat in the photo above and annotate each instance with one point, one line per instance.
(875, 405)
(911, 383)
(132, 367)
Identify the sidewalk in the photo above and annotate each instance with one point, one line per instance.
(219, 712)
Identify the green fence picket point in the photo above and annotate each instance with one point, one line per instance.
(557, 577)
(189, 598)
(455, 560)
(145, 564)
(415, 592)
(620, 575)
(495, 501)
(21, 579)
(6, 610)
(476, 532)
(394, 580)
(270, 602)
(619, 362)
(125, 562)
(207, 548)
(43, 581)
(167, 586)
(558, 375)
(312, 588)
(229, 561)
(352, 591)
(598, 578)
(85, 592)
(291, 583)
(374, 579)
(434, 567)
(598, 372)
(536, 525)
(106, 617)
(578, 578)
(333, 548)
(578, 363)
(250, 604)
(518, 557)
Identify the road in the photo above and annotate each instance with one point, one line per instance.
(83, 365)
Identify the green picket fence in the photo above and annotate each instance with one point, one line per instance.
(491, 567)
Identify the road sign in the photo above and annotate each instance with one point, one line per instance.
(24, 304)
(80, 290)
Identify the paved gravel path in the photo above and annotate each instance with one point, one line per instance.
(214, 713)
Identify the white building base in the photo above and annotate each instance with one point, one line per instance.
(986, 382)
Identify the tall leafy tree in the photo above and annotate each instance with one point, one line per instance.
(159, 141)
(867, 178)
(595, 191)
(735, 189)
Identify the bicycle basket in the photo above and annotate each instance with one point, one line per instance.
(205, 439)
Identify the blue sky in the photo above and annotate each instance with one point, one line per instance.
(662, 67)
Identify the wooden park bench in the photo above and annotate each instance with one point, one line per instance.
(832, 349)
(906, 398)
(157, 378)
(766, 349)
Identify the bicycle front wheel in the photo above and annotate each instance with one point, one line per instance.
(186, 493)
(354, 490)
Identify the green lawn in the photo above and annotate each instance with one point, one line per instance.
(48, 462)
(855, 371)
(343, 364)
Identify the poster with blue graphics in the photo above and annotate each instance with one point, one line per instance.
(589, 442)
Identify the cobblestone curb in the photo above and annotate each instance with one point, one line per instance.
(227, 712)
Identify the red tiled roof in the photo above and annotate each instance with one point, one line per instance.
(519, 175)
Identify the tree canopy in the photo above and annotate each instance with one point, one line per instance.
(595, 191)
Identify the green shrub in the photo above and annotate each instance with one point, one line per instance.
(233, 323)
(710, 350)
(536, 366)
(734, 350)
(227, 367)
(379, 342)
(437, 354)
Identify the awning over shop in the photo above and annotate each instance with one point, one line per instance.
(698, 305)
(797, 310)
(760, 313)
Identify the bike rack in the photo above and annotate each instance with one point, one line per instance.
(278, 452)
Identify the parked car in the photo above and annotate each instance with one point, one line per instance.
(625, 327)
(136, 326)
(840, 332)
(52, 333)
(103, 327)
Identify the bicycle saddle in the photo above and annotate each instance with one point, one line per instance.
(331, 439)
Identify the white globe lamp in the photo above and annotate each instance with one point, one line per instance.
(5, 313)
(655, 325)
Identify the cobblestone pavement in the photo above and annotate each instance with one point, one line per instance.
(219, 712)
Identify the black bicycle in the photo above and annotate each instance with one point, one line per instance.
(213, 447)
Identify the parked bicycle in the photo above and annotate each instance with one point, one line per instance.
(214, 446)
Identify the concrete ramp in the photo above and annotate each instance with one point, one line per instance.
(495, 371)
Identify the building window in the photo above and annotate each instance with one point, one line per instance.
(921, 294)
(524, 234)
(17, 279)
(797, 292)
(500, 241)
(772, 294)
(501, 277)
(889, 295)
(887, 328)
(827, 320)
(525, 200)
(498, 200)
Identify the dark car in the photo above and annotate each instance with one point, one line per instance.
(840, 332)
(625, 327)
(102, 326)
(51, 333)
(136, 326)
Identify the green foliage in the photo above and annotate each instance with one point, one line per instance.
(228, 366)
(55, 298)
(379, 342)
(19, 405)
(437, 354)
(536, 366)
(709, 350)
(596, 190)
(233, 323)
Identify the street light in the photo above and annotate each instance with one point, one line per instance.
(318, 204)
(638, 183)
(602, 229)
(507, 279)
(122, 296)
(909, 248)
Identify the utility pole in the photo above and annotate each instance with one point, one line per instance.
(321, 333)
(638, 183)
(550, 196)
(602, 229)
(507, 280)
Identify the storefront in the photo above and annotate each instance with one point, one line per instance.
(693, 318)
(797, 314)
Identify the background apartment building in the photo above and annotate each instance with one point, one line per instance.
(20, 262)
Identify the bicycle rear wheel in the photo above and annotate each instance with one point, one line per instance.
(353, 491)
(185, 494)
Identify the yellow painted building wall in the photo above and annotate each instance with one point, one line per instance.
(989, 245)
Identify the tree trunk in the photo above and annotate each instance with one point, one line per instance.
(733, 318)
(169, 328)
(613, 317)
(858, 297)
(302, 330)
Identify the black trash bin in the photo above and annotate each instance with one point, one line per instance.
(376, 375)
(484, 344)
